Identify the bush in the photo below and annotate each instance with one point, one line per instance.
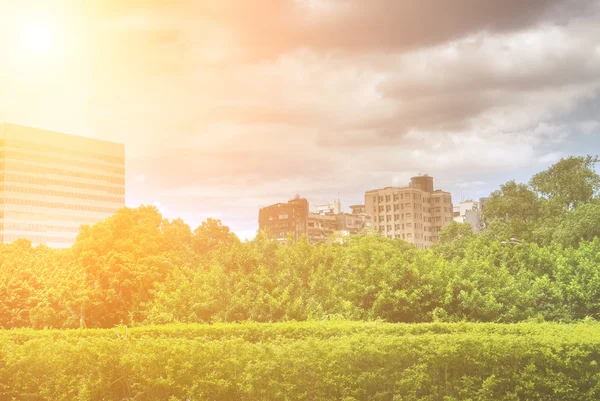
(304, 361)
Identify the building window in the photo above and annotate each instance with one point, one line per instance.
(380, 208)
(396, 207)
(380, 198)
(387, 198)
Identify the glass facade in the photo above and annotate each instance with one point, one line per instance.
(52, 183)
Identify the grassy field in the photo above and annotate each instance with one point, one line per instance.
(304, 361)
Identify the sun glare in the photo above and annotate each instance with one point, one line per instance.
(35, 38)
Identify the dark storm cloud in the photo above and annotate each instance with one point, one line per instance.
(434, 92)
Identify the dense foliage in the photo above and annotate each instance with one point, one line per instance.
(139, 268)
(559, 205)
(304, 361)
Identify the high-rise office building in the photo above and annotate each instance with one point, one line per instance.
(52, 183)
(415, 213)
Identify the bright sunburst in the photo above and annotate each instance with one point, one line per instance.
(35, 37)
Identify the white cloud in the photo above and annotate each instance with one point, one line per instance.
(589, 127)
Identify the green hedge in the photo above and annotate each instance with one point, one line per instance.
(304, 361)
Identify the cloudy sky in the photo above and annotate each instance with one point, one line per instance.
(228, 105)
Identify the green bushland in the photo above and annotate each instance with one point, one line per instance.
(138, 268)
(368, 277)
(304, 361)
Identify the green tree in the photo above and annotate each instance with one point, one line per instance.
(517, 206)
(582, 224)
(118, 262)
(456, 232)
(212, 234)
(454, 239)
(570, 182)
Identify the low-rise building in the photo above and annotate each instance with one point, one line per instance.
(471, 212)
(460, 210)
(294, 218)
(323, 223)
(282, 219)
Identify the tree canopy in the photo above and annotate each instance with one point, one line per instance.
(138, 267)
(538, 211)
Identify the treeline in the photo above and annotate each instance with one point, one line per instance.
(139, 268)
(558, 206)
(304, 361)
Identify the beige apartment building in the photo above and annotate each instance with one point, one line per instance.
(52, 183)
(415, 213)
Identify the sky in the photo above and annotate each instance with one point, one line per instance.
(225, 106)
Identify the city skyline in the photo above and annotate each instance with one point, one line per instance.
(222, 114)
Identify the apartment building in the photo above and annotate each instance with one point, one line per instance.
(282, 219)
(322, 224)
(415, 213)
(319, 223)
(52, 183)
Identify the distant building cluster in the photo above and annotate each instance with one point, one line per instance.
(471, 212)
(295, 219)
(415, 213)
(52, 183)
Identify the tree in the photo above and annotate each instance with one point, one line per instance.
(210, 235)
(516, 205)
(117, 263)
(455, 232)
(582, 224)
(570, 182)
